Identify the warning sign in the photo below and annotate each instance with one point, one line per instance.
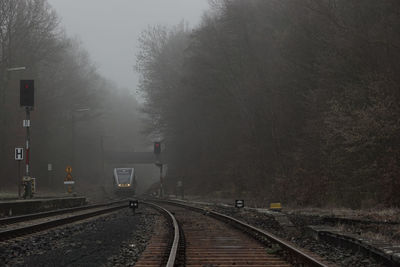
(68, 180)
(68, 169)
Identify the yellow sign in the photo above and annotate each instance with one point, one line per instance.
(275, 206)
(68, 169)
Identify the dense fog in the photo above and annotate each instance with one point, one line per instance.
(269, 100)
(81, 56)
(280, 101)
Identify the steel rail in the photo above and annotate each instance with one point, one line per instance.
(293, 250)
(21, 231)
(298, 254)
(33, 216)
(175, 243)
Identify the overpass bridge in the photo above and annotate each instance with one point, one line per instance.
(134, 157)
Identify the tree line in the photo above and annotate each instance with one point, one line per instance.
(280, 100)
(78, 114)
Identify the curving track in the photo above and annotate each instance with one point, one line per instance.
(212, 239)
(162, 248)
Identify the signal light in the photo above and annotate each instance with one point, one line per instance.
(133, 204)
(157, 148)
(26, 93)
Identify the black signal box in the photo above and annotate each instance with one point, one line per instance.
(133, 204)
(27, 93)
(157, 148)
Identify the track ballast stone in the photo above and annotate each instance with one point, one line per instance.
(340, 256)
(97, 242)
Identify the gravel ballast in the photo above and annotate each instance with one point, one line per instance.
(297, 234)
(116, 239)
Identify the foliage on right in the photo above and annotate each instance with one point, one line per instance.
(292, 101)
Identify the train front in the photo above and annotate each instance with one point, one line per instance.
(124, 181)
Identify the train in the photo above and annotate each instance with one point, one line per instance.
(124, 182)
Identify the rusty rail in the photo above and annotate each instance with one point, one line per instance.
(175, 242)
(298, 257)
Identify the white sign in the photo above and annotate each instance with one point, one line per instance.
(239, 203)
(69, 182)
(49, 167)
(19, 153)
(26, 123)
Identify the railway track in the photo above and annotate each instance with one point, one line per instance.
(206, 238)
(33, 216)
(13, 227)
(162, 249)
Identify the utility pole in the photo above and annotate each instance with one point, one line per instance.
(157, 152)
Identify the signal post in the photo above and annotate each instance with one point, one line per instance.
(27, 95)
(157, 152)
(19, 156)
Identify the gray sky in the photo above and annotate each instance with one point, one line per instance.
(109, 29)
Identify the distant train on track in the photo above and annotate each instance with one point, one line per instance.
(124, 181)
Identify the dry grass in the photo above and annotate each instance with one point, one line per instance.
(379, 237)
(388, 214)
(384, 234)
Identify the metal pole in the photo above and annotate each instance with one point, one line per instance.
(19, 179)
(28, 187)
(182, 188)
(161, 183)
(72, 139)
(28, 139)
(48, 179)
(102, 156)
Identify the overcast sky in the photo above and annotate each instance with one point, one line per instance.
(109, 29)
